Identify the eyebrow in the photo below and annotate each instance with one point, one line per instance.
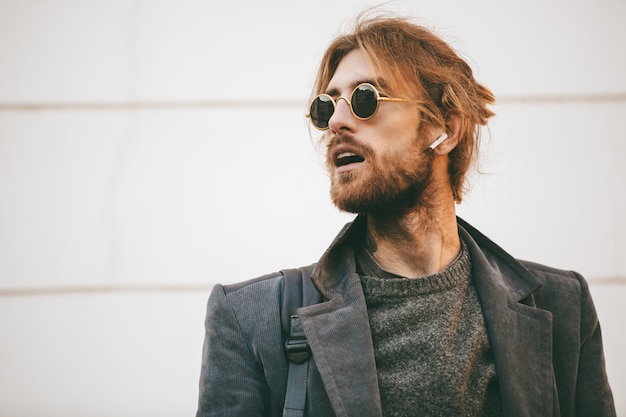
(379, 83)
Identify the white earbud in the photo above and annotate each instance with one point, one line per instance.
(438, 141)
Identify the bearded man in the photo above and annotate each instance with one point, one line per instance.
(420, 314)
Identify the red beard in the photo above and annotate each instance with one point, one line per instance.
(386, 184)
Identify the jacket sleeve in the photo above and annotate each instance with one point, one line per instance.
(231, 380)
(593, 393)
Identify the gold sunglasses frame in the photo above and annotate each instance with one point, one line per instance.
(335, 101)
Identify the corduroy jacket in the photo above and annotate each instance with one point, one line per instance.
(541, 323)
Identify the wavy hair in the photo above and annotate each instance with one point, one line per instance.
(418, 65)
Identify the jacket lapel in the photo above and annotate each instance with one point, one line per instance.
(340, 339)
(520, 334)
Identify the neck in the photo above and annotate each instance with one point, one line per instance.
(420, 242)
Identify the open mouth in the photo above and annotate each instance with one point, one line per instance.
(347, 158)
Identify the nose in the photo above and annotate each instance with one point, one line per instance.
(342, 118)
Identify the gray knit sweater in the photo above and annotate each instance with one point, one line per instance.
(431, 346)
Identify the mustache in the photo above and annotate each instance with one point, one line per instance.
(342, 139)
(348, 140)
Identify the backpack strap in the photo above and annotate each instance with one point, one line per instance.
(298, 291)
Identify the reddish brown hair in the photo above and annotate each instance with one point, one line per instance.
(418, 65)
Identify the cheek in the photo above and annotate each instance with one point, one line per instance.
(322, 142)
(404, 153)
(403, 125)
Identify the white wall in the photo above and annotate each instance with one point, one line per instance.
(149, 149)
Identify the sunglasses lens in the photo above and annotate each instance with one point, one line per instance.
(364, 101)
(322, 108)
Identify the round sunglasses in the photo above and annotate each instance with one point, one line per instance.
(363, 104)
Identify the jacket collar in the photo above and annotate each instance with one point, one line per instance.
(506, 271)
(338, 260)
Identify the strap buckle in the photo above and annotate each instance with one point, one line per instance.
(296, 346)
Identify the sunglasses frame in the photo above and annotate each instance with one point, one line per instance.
(335, 101)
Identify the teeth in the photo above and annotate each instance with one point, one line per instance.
(347, 158)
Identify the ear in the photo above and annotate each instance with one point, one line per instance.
(454, 124)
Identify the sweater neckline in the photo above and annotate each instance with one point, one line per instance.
(375, 280)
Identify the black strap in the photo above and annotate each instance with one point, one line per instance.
(298, 291)
(295, 397)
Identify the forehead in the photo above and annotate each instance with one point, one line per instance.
(352, 70)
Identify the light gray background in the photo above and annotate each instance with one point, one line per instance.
(150, 149)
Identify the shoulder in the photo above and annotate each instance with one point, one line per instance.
(258, 294)
(554, 277)
(252, 307)
(264, 281)
(564, 289)
(548, 272)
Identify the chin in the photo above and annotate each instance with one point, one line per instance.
(378, 201)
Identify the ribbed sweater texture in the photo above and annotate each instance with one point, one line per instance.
(432, 351)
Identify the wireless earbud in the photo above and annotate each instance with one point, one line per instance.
(438, 141)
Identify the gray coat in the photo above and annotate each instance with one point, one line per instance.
(541, 322)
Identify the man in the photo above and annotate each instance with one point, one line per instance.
(421, 315)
